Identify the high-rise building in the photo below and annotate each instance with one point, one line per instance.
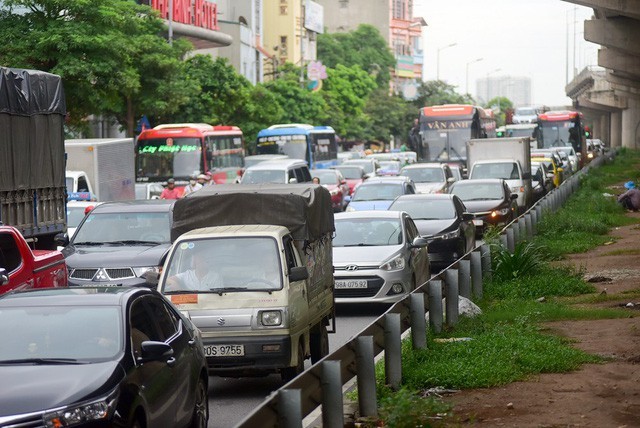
(397, 24)
(517, 89)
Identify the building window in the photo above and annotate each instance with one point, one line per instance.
(283, 10)
(344, 4)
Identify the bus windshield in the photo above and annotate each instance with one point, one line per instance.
(446, 144)
(557, 133)
(163, 158)
(294, 146)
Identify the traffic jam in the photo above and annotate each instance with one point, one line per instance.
(128, 283)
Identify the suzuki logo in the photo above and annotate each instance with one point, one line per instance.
(352, 267)
(101, 276)
(221, 321)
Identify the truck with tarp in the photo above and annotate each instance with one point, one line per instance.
(252, 267)
(32, 165)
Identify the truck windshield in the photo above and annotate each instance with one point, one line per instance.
(504, 170)
(224, 265)
(126, 227)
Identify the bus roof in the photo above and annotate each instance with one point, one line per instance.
(455, 110)
(293, 129)
(188, 130)
(559, 115)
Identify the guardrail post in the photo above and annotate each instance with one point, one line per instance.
(451, 296)
(485, 252)
(418, 321)
(366, 369)
(476, 274)
(392, 351)
(503, 241)
(534, 221)
(516, 232)
(332, 405)
(511, 243)
(522, 232)
(435, 305)
(464, 278)
(528, 225)
(538, 213)
(290, 408)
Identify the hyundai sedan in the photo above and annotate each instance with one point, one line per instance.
(378, 256)
(99, 357)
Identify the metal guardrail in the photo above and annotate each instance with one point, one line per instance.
(322, 384)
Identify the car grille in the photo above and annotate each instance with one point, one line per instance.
(374, 283)
(357, 267)
(112, 273)
(33, 420)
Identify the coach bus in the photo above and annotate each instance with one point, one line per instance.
(183, 150)
(315, 144)
(445, 130)
(562, 128)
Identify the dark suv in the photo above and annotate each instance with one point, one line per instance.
(117, 243)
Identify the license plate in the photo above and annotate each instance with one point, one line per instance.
(478, 222)
(224, 350)
(351, 283)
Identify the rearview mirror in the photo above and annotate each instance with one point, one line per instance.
(154, 351)
(451, 180)
(468, 216)
(152, 278)
(4, 278)
(298, 273)
(419, 242)
(61, 239)
(293, 180)
(514, 196)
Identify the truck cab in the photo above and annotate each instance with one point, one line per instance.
(79, 186)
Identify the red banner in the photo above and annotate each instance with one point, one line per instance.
(200, 13)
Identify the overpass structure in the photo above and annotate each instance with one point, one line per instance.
(609, 95)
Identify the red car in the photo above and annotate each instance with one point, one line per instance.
(354, 174)
(335, 183)
(22, 268)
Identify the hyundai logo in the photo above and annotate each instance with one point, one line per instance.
(352, 267)
(221, 321)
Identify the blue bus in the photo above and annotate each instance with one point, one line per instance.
(315, 144)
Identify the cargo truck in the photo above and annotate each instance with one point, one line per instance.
(266, 299)
(506, 158)
(108, 164)
(32, 164)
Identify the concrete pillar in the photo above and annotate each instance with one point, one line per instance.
(616, 129)
(597, 130)
(631, 125)
(605, 132)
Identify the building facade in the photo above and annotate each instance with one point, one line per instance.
(400, 28)
(515, 88)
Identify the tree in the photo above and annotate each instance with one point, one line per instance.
(438, 92)
(109, 53)
(364, 47)
(390, 115)
(500, 105)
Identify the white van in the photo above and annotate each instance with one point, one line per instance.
(279, 171)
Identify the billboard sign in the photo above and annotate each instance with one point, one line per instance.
(314, 17)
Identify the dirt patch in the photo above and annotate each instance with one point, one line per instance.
(597, 395)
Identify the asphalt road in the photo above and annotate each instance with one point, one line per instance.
(230, 400)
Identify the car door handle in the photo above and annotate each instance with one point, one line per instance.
(171, 362)
(192, 342)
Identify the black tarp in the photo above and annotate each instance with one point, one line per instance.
(304, 209)
(32, 114)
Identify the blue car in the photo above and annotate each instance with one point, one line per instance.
(378, 193)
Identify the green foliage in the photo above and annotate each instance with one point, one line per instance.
(109, 53)
(388, 115)
(525, 260)
(502, 104)
(364, 47)
(299, 105)
(406, 409)
(438, 92)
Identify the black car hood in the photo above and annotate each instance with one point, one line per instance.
(434, 227)
(84, 256)
(482, 206)
(32, 388)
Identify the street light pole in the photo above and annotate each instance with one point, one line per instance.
(469, 63)
(438, 59)
(170, 22)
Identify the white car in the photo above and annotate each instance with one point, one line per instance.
(429, 177)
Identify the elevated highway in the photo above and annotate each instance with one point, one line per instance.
(609, 95)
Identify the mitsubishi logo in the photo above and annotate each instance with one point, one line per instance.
(351, 267)
(101, 275)
(221, 321)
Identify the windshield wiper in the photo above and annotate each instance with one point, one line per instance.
(478, 199)
(133, 242)
(42, 361)
(88, 243)
(360, 245)
(221, 290)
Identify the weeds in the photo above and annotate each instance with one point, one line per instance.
(525, 260)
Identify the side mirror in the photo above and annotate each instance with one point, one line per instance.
(468, 216)
(550, 175)
(514, 196)
(451, 180)
(419, 242)
(154, 351)
(4, 278)
(61, 239)
(526, 175)
(293, 180)
(152, 278)
(298, 273)
(343, 182)
(347, 198)
(560, 169)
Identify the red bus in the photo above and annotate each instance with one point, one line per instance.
(445, 130)
(561, 128)
(182, 150)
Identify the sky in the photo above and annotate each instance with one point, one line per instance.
(513, 38)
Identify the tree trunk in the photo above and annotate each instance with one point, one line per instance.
(130, 118)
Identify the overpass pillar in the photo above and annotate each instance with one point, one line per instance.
(616, 129)
(631, 125)
(596, 132)
(605, 131)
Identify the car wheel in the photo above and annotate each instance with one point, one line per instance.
(289, 373)
(136, 424)
(319, 344)
(200, 416)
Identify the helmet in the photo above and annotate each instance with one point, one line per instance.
(629, 185)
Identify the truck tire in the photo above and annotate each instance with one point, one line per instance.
(289, 373)
(319, 344)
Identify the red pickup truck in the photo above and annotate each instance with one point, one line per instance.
(23, 268)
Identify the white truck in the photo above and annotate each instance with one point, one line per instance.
(506, 158)
(108, 163)
(252, 267)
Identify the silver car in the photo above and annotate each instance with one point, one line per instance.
(378, 256)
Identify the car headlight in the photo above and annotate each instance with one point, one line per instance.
(450, 235)
(350, 209)
(503, 211)
(87, 412)
(270, 318)
(396, 263)
(140, 271)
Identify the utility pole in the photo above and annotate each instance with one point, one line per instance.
(302, 12)
(171, 22)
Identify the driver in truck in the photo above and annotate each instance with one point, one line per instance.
(202, 277)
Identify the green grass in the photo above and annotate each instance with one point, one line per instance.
(508, 342)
